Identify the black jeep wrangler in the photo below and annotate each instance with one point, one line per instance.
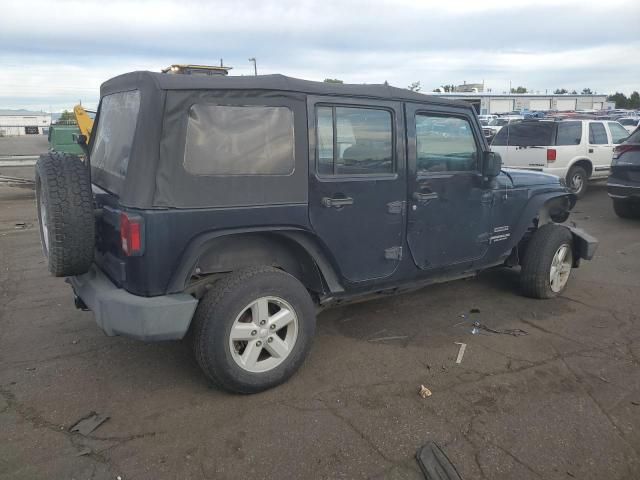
(229, 210)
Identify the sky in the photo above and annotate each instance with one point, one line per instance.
(55, 53)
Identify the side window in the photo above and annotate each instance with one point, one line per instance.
(569, 133)
(618, 133)
(597, 134)
(445, 144)
(232, 140)
(354, 141)
(502, 137)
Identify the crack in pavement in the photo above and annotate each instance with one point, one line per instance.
(33, 417)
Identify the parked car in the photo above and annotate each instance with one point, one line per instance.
(629, 123)
(623, 184)
(486, 118)
(494, 126)
(577, 151)
(231, 209)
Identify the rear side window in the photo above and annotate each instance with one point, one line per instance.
(239, 140)
(569, 133)
(114, 135)
(597, 134)
(354, 141)
(618, 132)
(445, 144)
(529, 134)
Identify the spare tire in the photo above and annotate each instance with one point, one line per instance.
(65, 213)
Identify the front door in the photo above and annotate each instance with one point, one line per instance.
(357, 184)
(450, 203)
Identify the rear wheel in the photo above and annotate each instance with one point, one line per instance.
(577, 180)
(65, 213)
(253, 329)
(626, 209)
(547, 262)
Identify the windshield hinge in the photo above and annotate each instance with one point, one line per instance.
(393, 253)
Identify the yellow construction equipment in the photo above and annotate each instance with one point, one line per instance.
(85, 123)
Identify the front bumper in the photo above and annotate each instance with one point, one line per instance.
(585, 244)
(119, 312)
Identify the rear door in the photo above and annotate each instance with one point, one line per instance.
(600, 149)
(357, 185)
(568, 142)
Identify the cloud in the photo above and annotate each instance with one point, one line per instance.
(52, 55)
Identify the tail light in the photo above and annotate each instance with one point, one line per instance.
(131, 234)
(551, 154)
(625, 147)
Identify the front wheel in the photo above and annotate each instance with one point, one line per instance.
(253, 329)
(547, 262)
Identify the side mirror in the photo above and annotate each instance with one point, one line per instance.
(491, 164)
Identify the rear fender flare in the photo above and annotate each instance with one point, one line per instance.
(277, 239)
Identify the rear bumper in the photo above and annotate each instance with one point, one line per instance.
(618, 188)
(119, 312)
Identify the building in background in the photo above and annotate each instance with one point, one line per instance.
(470, 88)
(23, 122)
(488, 102)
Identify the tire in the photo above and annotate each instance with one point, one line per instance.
(626, 209)
(65, 213)
(577, 175)
(228, 303)
(539, 258)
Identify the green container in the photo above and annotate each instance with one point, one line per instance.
(61, 139)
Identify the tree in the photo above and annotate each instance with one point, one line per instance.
(67, 116)
(519, 90)
(332, 80)
(573, 92)
(560, 91)
(634, 100)
(415, 87)
(586, 91)
(620, 100)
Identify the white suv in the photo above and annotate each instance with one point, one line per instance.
(576, 150)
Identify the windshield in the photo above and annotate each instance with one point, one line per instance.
(498, 122)
(114, 135)
(628, 122)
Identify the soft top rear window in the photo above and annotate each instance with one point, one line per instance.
(526, 134)
(114, 135)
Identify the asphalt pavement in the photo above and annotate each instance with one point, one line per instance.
(562, 402)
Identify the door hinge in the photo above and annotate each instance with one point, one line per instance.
(393, 253)
(396, 207)
(488, 199)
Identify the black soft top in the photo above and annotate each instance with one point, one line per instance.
(165, 81)
(156, 177)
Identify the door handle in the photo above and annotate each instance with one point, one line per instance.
(336, 202)
(424, 197)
